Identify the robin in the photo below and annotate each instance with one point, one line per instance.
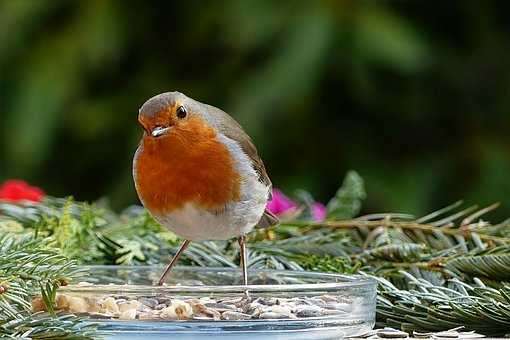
(199, 174)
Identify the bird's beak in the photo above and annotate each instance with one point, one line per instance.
(159, 131)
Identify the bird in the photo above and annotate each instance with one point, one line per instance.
(199, 174)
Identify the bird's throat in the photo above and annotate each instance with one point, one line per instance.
(189, 165)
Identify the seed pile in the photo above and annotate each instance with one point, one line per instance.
(203, 308)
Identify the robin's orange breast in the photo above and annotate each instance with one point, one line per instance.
(189, 165)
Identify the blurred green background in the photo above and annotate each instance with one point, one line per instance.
(414, 95)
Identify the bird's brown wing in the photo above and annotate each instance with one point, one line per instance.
(231, 129)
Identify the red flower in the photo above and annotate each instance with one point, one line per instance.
(16, 191)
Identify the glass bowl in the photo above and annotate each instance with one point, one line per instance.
(211, 302)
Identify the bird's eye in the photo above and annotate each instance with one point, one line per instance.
(181, 112)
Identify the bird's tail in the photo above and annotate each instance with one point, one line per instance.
(268, 220)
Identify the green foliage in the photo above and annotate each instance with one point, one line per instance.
(427, 306)
(329, 263)
(387, 39)
(397, 252)
(494, 266)
(91, 234)
(449, 265)
(29, 267)
(347, 201)
(43, 326)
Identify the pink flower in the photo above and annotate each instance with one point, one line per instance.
(16, 191)
(280, 203)
(319, 211)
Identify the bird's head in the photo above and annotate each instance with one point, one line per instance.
(160, 114)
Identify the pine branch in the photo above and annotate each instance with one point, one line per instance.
(44, 326)
(404, 225)
(420, 261)
(429, 307)
(495, 267)
(28, 268)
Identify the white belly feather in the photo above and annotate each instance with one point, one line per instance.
(238, 218)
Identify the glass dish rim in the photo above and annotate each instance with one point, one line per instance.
(349, 281)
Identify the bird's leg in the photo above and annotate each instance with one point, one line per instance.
(172, 263)
(244, 262)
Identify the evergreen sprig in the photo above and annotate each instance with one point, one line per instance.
(28, 267)
(426, 306)
(449, 265)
